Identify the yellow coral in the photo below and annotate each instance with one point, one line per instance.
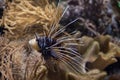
(21, 16)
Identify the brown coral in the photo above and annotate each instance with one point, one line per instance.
(99, 51)
(23, 17)
(92, 75)
(16, 64)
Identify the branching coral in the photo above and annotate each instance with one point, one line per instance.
(20, 16)
(5, 66)
(16, 64)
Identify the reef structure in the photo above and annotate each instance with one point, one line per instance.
(23, 60)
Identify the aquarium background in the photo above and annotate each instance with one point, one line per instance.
(59, 39)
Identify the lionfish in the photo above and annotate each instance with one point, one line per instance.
(50, 45)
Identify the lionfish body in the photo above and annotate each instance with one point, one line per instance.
(44, 43)
(51, 46)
